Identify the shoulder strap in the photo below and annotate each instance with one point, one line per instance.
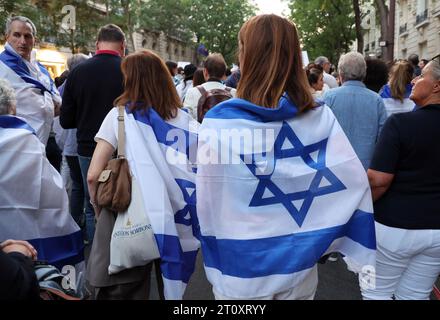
(201, 89)
(121, 133)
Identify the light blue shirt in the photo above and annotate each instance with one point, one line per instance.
(361, 114)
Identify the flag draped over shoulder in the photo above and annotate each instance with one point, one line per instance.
(17, 64)
(33, 201)
(161, 156)
(395, 105)
(275, 192)
(34, 89)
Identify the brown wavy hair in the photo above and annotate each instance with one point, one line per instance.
(400, 76)
(271, 63)
(148, 84)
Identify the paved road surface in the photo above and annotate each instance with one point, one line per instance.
(335, 283)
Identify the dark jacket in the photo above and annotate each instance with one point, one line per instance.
(18, 280)
(90, 91)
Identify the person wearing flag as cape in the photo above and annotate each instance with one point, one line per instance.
(38, 100)
(33, 201)
(160, 147)
(289, 189)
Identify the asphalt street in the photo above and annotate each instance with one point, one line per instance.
(335, 283)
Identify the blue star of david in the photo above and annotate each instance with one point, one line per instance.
(297, 150)
(183, 216)
(188, 214)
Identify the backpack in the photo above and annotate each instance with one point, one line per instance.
(211, 98)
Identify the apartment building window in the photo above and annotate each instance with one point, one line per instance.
(404, 11)
(422, 11)
(423, 50)
(404, 53)
(403, 22)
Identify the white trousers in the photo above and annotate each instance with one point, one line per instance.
(303, 291)
(407, 264)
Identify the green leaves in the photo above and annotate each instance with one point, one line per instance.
(326, 26)
(213, 23)
(216, 24)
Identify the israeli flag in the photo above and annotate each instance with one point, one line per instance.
(161, 156)
(393, 105)
(34, 89)
(275, 192)
(33, 201)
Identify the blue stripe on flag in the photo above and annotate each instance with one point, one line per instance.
(279, 255)
(243, 109)
(386, 92)
(161, 130)
(11, 122)
(16, 64)
(62, 250)
(175, 264)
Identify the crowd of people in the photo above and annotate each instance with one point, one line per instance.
(267, 170)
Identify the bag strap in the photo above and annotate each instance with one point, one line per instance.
(121, 133)
(202, 90)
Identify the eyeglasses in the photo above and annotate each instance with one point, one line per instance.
(436, 58)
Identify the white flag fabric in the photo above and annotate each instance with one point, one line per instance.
(33, 201)
(34, 89)
(275, 192)
(161, 156)
(395, 105)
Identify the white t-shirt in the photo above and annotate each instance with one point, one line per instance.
(183, 87)
(193, 95)
(330, 80)
(109, 128)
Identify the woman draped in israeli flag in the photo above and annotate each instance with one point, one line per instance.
(161, 142)
(278, 184)
(33, 201)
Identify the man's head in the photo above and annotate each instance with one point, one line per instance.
(214, 67)
(20, 34)
(324, 63)
(7, 98)
(352, 66)
(426, 87)
(413, 59)
(76, 60)
(111, 37)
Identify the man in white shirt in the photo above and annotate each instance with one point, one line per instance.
(214, 70)
(38, 99)
(329, 80)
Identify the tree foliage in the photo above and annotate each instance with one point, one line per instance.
(47, 17)
(216, 24)
(169, 16)
(213, 23)
(327, 27)
(15, 7)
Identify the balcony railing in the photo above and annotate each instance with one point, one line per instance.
(403, 28)
(422, 17)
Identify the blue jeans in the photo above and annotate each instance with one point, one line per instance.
(77, 200)
(84, 163)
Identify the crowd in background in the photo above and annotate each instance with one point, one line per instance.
(388, 113)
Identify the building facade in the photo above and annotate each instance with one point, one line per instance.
(167, 47)
(416, 30)
(371, 26)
